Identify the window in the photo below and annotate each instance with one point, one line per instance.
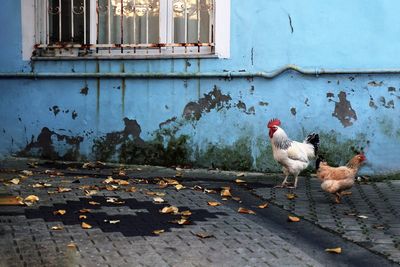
(130, 28)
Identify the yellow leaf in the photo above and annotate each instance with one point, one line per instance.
(181, 221)
(59, 212)
(263, 206)
(291, 196)
(158, 200)
(63, 189)
(131, 189)
(236, 198)
(225, 192)
(241, 174)
(111, 187)
(86, 225)
(213, 203)
(171, 181)
(15, 181)
(71, 245)
(94, 203)
(245, 211)
(90, 192)
(337, 250)
(204, 235)
(122, 173)
(114, 200)
(123, 182)
(170, 209)
(210, 191)
(57, 227)
(81, 217)
(239, 181)
(31, 199)
(179, 187)
(157, 232)
(293, 219)
(186, 213)
(159, 194)
(108, 180)
(178, 174)
(84, 210)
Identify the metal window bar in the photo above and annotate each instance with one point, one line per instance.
(44, 11)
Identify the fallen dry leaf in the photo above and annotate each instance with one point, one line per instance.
(85, 210)
(379, 226)
(293, 219)
(41, 185)
(111, 187)
(158, 200)
(158, 194)
(59, 212)
(81, 217)
(186, 213)
(108, 180)
(170, 209)
(237, 199)
(157, 232)
(204, 235)
(291, 196)
(11, 200)
(86, 225)
(362, 217)
(238, 181)
(26, 172)
(94, 203)
(63, 189)
(131, 189)
(114, 200)
(71, 245)
(213, 203)
(171, 181)
(225, 192)
(245, 211)
(210, 191)
(30, 200)
(241, 174)
(179, 187)
(263, 206)
(122, 173)
(337, 250)
(112, 221)
(178, 174)
(122, 182)
(90, 192)
(15, 181)
(181, 221)
(57, 227)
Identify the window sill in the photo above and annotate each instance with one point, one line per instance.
(122, 57)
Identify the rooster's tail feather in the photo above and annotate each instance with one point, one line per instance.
(313, 139)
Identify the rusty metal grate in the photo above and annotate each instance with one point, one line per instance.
(124, 27)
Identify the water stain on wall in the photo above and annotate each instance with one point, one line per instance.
(343, 110)
(44, 146)
(212, 100)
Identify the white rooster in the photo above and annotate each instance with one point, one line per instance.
(292, 155)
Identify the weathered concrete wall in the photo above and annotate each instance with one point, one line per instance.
(218, 122)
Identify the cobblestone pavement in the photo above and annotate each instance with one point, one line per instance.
(123, 218)
(369, 217)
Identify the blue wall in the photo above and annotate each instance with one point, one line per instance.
(219, 122)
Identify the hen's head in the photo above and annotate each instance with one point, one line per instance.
(358, 159)
(273, 125)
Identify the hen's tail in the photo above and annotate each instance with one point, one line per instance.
(313, 139)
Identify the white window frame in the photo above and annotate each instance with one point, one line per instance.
(221, 45)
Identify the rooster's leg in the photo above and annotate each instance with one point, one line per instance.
(284, 183)
(295, 183)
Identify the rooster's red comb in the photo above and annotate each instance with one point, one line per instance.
(273, 122)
